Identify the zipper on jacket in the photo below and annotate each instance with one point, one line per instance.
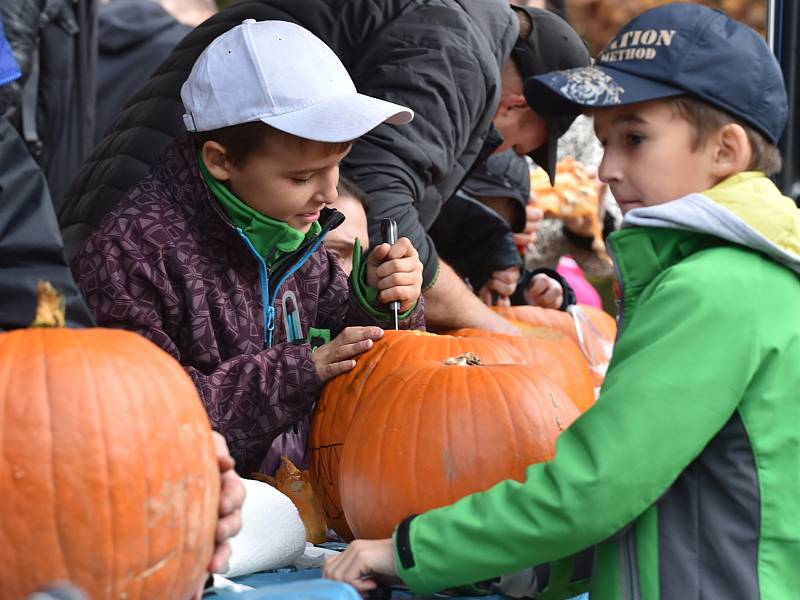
(266, 303)
(305, 251)
(291, 270)
(285, 268)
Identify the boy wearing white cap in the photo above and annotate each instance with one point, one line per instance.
(217, 254)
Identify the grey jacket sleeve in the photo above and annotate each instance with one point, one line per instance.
(427, 60)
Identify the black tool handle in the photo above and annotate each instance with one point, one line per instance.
(389, 236)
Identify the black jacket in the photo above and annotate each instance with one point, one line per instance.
(134, 37)
(30, 243)
(441, 58)
(52, 105)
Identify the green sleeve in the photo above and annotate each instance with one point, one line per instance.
(368, 296)
(678, 372)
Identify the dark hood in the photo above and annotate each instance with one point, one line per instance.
(126, 23)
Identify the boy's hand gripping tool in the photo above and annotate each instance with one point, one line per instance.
(389, 236)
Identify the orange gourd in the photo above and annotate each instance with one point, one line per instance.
(343, 394)
(438, 432)
(554, 354)
(108, 473)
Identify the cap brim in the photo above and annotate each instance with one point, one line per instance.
(570, 92)
(340, 118)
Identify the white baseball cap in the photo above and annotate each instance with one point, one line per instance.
(285, 76)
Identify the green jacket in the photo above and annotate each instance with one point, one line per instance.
(686, 473)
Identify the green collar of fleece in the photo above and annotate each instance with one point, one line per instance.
(270, 237)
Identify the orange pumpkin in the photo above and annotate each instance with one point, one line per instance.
(109, 474)
(554, 354)
(604, 323)
(439, 432)
(343, 394)
(598, 330)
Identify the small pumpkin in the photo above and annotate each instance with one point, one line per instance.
(342, 396)
(438, 432)
(109, 476)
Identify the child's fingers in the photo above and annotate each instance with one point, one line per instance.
(510, 275)
(503, 301)
(402, 248)
(552, 298)
(398, 279)
(347, 351)
(407, 295)
(355, 334)
(539, 284)
(331, 370)
(378, 254)
(399, 265)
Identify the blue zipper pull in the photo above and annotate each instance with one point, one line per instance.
(270, 324)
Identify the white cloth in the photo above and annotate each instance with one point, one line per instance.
(272, 534)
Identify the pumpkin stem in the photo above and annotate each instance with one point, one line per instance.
(463, 360)
(49, 306)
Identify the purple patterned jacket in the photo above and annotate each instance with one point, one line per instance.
(167, 263)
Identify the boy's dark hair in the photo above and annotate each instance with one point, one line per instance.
(242, 140)
(346, 187)
(704, 119)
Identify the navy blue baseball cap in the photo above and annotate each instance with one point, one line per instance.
(673, 50)
(9, 69)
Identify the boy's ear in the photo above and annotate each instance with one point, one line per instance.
(732, 153)
(511, 101)
(216, 160)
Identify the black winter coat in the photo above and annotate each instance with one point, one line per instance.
(30, 244)
(442, 58)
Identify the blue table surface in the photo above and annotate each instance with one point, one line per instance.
(263, 581)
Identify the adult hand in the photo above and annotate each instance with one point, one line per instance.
(362, 564)
(544, 291)
(503, 283)
(337, 356)
(396, 272)
(533, 218)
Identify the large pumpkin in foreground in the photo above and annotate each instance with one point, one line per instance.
(108, 475)
(438, 432)
(343, 394)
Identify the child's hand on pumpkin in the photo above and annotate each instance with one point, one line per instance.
(337, 356)
(544, 291)
(503, 283)
(396, 272)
